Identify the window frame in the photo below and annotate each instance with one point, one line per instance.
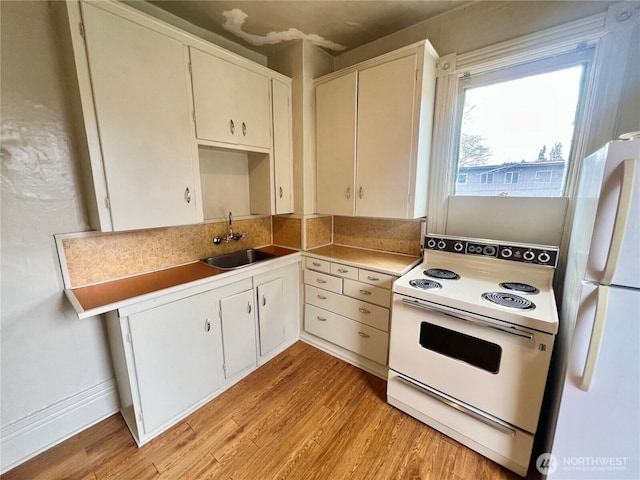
(465, 175)
(538, 179)
(511, 175)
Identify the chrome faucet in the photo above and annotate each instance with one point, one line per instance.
(230, 234)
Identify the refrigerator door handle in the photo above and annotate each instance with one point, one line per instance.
(596, 338)
(620, 222)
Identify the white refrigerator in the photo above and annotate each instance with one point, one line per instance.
(597, 434)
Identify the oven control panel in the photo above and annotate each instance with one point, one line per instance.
(515, 252)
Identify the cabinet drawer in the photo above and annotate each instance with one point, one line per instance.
(366, 292)
(363, 312)
(315, 264)
(381, 280)
(322, 280)
(344, 271)
(354, 336)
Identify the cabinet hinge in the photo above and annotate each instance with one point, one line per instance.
(81, 28)
(466, 76)
(193, 115)
(140, 416)
(190, 69)
(417, 73)
(128, 337)
(107, 204)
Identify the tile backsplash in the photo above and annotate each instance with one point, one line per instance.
(399, 236)
(318, 231)
(287, 231)
(100, 257)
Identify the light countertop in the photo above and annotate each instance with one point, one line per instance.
(386, 262)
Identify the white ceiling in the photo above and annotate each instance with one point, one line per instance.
(335, 25)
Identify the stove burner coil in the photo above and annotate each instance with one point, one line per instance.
(442, 274)
(508, 300)
(424, 284)
(520, 288)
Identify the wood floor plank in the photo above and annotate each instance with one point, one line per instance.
(303, 415)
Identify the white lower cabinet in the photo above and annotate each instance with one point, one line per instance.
(238, 332)
(352, 315)
(173, 353)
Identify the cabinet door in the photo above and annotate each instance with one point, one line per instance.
(386, 96)
(214, 100)
(335, 145)
(176, 349)
(282, 154)
(141, 96)
(270, 315)
(254, 108)
(238, 332)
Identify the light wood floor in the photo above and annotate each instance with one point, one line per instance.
(304, 415)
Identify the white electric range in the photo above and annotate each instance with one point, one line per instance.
(472, 332)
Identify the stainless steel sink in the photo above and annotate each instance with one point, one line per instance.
(239, 259)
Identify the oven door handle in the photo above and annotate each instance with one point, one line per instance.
(470, 318)
(466, 409)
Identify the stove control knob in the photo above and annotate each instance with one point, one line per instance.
(442, 245)
(458, 247)
(529, 255)
(431, 243)
(489, 250)
(544, 257)
(506, 252)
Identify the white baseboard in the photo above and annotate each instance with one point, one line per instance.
(39, 431)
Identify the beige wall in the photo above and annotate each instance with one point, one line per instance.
(47, 354)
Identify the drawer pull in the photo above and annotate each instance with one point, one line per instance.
(316, 264)
(343, 270)
(365, 292)
(373, 279)
(363, 310)
(363, 335)
(322, 319)
(319, 280)
(322, 297)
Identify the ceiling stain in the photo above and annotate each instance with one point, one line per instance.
(235, 19)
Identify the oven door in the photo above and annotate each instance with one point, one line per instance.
(488, 364)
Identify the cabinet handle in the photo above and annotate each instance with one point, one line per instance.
(248, 308)
(322, 319)
(348, 193)
(281, 192)
(319, 280)
(365, 292)
(264, 300)
(244, 129)
(187, 195)
(363, 335)
(373, 279)
(322, 297)
(360, 193)
(316, 264)
(343, 270)
(232, 127)
(207, 325)
(363, 310)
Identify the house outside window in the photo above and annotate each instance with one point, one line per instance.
(511, 177)
(544, 176)
(486, 177)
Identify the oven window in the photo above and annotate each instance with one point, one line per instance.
(468, 349)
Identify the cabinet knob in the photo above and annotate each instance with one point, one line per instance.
(244, 129)
(348, 193)
(187, 195)
(343, 270)
(363, 335)
(232, 127)
(248, 308)
(264, 300)
(319, 280)
(321, 297)
(365, 292)
(281, 192)
(360, 193)
(364, 310)
(207, 325)
(322, 319)
(373, 279)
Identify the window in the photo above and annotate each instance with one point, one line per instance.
(511, 177)
(519, 118)
(486, 178)
(543, 176)
(462, 178)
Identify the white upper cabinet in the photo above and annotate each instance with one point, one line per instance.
(336, 145)
(144, 161)
(282, 146)
(232, 103)
(373, 133)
